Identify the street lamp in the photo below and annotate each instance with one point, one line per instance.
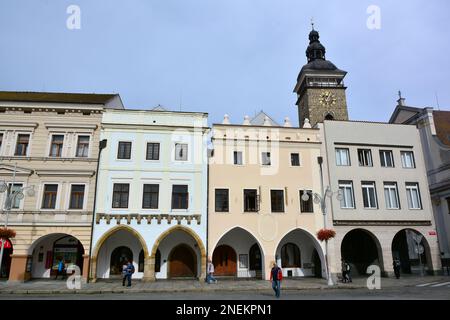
(321, 199)
(11, 196)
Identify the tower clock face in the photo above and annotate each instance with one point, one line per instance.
(327, 98)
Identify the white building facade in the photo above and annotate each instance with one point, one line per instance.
(385, 212)
(151, 203)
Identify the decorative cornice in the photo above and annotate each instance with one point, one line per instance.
(381, 223)
(19, 124)
(9, 158)
(148, 217)
(66, 173)
(71, 126)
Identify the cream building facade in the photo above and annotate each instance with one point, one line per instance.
(49, 143)
(257, 173)
(152, 195)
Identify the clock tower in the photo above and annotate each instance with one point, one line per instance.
(320, 87)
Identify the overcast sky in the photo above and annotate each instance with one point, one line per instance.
(227, 56)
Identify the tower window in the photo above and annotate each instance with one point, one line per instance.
(329, 116)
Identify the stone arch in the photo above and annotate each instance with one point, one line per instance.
(149, 273)
(243, 229)
(105, 237)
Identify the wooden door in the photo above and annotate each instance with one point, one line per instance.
(182, 262)
(224, 260)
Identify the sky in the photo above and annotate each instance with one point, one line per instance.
(227, 56)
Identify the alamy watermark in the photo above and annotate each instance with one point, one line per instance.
(374, 20)
(374, 280)
(73, 21)
(74, 280)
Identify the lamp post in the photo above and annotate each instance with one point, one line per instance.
(321, 199)
(11, 196)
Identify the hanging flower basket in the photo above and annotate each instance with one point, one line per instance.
(325, 234)
(6, 233)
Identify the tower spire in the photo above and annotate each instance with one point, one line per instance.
(312, 23)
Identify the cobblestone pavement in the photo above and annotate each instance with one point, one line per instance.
(108, 286)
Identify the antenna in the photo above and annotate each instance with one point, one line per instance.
(312, 23)
(437, 101)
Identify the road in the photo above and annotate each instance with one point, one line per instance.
(403, 293)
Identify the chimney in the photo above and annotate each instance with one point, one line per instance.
(246, 121)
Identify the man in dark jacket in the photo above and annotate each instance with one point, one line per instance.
(130, 271)
(276, 275)
(396, 265)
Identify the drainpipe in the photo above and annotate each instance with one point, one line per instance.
(101, 146)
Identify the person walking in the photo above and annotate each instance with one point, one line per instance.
(130, 271)
(124, 272)
(344, 271)
(276, 275)
(396, 265)
(348, 270)
(60, 269)
(210, 272)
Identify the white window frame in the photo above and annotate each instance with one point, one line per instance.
(339, 163)
(189, 189)
(242, 158)
(159, 183)
(413, 160)
(40, 199)
(409, 187)
(49, 145)
(145, 152)
(85, 197)
(391, 186)
(383, 155)
(16, 138)
(131, 151)
(175, 151)
(284, 199)
(261, 158)
(128, 181)
(365, 186)
(21, 202)
(76, 145)
(346, 184)
(369, 158)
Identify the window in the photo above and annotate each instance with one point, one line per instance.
(158, 261)
(14, 188)
(407, 159)
(250, 200)
(448, 204)
(124, 150)
(295, 159)
(265, 158)
(386, 158)
(306, 206)
(180, 197)
(413, 195)
(22, 144)
(120, 195)
(342, 157)
(369, 195)
(83, 146)
(150, 196)
(152, 151)
(77, 196)
(348, 199)
(391, 195)
(141, 261)
(56, 146)
(237, 157)
(365, 157)
(49, 199)
(221, 200)
(181, 151)
(1, 140)
(277, 200)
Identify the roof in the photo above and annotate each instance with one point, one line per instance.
(442, 125)
(410, 112)
(258, 120)
(59, 97)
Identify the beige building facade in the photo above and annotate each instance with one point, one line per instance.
(257, 173)
(49, 144)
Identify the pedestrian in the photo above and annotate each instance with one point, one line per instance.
(396, 265)
(124, 272)
(210, 272)
(344, 271)
(348, 270)
(60, 269)
(276, 275)
(130, 271)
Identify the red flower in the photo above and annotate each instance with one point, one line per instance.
(325, 234)
(6, 233)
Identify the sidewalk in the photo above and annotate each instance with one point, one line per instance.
(108, 286)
